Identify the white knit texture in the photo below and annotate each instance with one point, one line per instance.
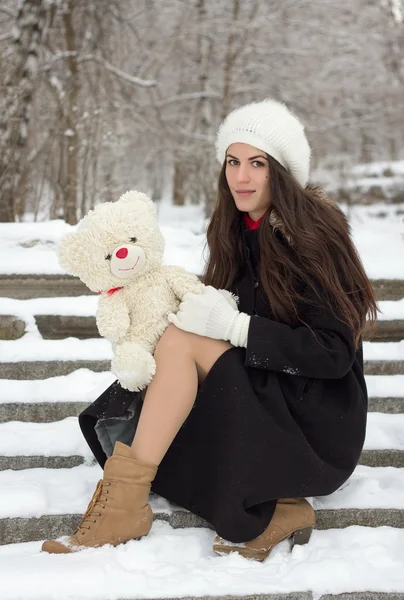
(271, 127)
(239, 330)
(220, 321)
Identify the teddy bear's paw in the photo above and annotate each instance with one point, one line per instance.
(231, 298)
(134, 366)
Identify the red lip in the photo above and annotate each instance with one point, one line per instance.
(131, 268)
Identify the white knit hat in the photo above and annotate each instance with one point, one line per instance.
(270, 126)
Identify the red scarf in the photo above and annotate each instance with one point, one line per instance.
(250, 223)
(112, 290)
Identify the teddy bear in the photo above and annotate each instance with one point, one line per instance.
(117, 251)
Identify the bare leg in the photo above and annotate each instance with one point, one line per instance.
(183, 360)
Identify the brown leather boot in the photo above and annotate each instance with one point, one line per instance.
(119, 509)
(293, 518)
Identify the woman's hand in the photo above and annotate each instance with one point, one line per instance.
(212, 314)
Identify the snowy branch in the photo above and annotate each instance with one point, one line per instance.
(101, 61)
(6, 36)
(186, 97)
(147, 83)
(8, 11)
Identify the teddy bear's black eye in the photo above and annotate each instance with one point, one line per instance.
(108, 257)
(133, 239)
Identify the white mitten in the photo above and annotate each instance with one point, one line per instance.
(212, 315)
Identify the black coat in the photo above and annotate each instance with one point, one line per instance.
(285, 417)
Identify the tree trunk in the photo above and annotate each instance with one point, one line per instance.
(180, 177)
(70, 135)
(16, 101)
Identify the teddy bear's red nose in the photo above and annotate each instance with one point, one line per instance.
(122, 253)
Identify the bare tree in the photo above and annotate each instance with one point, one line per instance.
(16, 99)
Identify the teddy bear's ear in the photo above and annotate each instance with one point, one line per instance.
(68, 252)
(139, 198)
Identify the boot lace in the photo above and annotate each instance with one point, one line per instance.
(99, 499)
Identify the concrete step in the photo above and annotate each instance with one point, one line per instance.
(45, 369)
(61, 445)
(46, 286)
(384, 367)
(57, 327)
(19, 463)
(369, 458)
(35, 501)
(392, 405)
(47, 412)
(23, 287)
(19, 529)
(43, 412)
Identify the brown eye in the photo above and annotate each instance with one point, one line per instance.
(133, 239)
(108, 257)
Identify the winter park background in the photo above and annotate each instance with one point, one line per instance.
(98, 97)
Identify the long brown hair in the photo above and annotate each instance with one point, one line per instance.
(312, 247)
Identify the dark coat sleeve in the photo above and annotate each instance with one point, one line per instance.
(324, 350)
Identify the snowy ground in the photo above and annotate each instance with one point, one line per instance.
(30, 247)
(180, 562)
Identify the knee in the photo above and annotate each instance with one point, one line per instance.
(173, 340)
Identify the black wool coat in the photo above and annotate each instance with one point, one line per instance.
(285, 417)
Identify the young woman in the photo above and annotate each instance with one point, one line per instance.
(253, 407)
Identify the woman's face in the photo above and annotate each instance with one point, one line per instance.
(247, 174)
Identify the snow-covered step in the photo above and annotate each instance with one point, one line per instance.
(51, 399)
(55, 368)
(37, 503)
(46, 412)
(31, 285)
(56, 327)
(55, 398)
(49, 445)
(61, 444)
(357, 563)
(86, 306)
(54, 358)
(44, 285)
(386, 393)
(61, 317)
(32, 348)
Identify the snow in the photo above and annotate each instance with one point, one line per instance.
(78, 306)
(390, 309)
(33, 348)
(377, 169)
(29, 248)
(385, 386)
(63, 438)
(86, 306)
(84, 385)
(60, 438)
(180, 562)
(81, 385)
(37, 492)
(384, 431)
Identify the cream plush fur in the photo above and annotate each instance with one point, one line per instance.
(119, 244)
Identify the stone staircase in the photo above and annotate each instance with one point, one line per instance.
(35, 421)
